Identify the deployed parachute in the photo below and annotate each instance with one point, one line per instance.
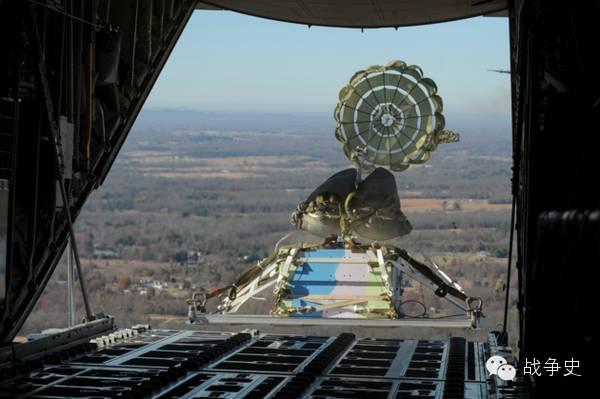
(387, 117)
(390, 116)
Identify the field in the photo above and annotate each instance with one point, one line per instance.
(191, 206)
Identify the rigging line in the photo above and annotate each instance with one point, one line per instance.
(364, 99)
(373, 91)
(418, 116)
(363, 96)
(377, 124)
(390, 132)
(389, 151)
(378, 145)
(357, 134)
(356, 109)
(397, 86)
(510, 247)
(401, 147)
(401, 131)
(282, 239)
(353, 122)
(56, 10)
(376, 134)
(418, 129)
(409, 95)
(371, 135)
(384, 89)
(413, 105)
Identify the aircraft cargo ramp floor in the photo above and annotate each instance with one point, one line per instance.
(141, 362)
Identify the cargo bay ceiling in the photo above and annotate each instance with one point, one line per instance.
(361, 13)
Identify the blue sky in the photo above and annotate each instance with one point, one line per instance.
(231, 62)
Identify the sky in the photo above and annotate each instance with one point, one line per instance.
(236, 63)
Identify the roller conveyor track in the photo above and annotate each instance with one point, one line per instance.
(248, 364)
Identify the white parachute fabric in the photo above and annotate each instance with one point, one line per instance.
(390, 116)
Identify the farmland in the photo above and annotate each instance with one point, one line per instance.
(190, 207)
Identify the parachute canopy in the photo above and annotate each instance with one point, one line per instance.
(390, 116)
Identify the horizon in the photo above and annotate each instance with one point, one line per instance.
(471, 126)
(228, 62)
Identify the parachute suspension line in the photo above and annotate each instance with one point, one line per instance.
(280, 241)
